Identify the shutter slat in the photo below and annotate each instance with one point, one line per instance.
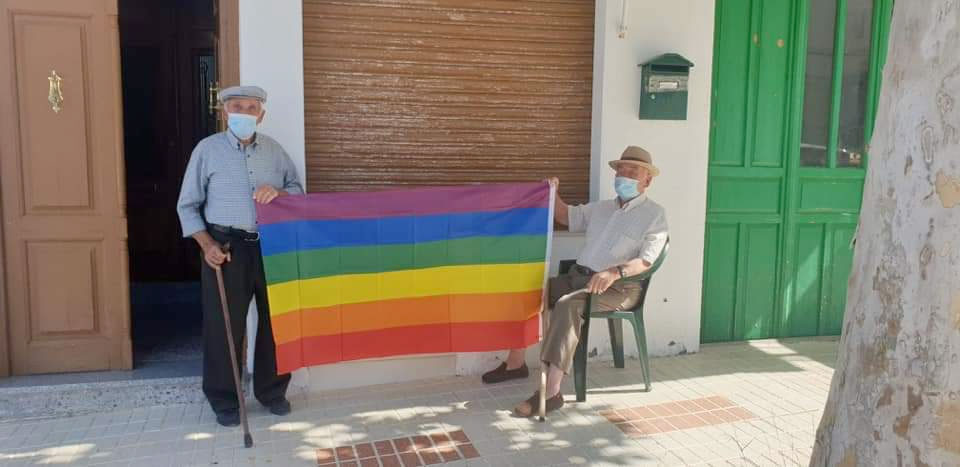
(444, 92)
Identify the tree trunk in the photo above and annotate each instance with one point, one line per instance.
(895, 396)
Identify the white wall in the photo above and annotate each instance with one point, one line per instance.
(271, 55)
(679, 148)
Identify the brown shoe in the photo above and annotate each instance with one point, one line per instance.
(501, 374)
(531, 406)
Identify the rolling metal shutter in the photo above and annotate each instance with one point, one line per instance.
(445, 92)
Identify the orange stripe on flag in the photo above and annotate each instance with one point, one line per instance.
(406, 312)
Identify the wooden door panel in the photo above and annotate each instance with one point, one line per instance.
(61, 288)
(64, 230)
(55, 151)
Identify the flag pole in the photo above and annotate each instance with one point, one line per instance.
(543, 300)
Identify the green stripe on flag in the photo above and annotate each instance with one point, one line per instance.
(384, 258)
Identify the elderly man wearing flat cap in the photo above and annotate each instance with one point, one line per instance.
(624, 237)
(229, 172)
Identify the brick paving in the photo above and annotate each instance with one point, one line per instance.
(407, 451)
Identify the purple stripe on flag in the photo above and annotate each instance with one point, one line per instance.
(407, 202)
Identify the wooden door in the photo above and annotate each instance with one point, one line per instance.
(64, 225)
(795, 85)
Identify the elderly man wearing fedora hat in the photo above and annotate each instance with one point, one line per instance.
(624, 237)
(228, 172)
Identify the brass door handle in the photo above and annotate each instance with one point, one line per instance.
(55, 96)
(212, 105)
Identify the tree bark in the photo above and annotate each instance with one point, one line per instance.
(895, 396)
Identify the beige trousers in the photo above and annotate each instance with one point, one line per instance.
(565, 319)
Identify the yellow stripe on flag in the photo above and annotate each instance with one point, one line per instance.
(446, 280)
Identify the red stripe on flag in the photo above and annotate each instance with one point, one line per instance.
(502, 335)
(430, 338)
(434, 338)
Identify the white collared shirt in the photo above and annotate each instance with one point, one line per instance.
(618, 234)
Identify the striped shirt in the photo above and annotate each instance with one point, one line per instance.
(618, 234)
(223, 175)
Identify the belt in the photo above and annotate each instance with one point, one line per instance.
(236, 233)
(583, 270)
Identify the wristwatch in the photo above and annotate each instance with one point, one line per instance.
(620, 270)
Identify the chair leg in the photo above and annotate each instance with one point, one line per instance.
(580, 363)
(641, 333)
(616, 341)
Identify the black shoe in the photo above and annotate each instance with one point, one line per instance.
(501, 374)
(229, 417)
(279, 407)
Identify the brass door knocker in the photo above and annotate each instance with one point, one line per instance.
(55, 96)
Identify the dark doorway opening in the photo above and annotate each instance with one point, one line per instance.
(169, 69)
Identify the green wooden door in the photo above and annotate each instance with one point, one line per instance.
(795, 83)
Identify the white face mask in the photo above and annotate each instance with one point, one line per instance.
(626, 188)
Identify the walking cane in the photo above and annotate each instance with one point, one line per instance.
(543, 369)
(247, 439)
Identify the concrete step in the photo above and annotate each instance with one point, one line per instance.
(63, 400)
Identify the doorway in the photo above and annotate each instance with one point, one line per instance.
(795, 88)
(169, 73)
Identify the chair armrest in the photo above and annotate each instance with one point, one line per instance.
(653, 267)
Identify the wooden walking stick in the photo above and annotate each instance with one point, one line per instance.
(247, 439)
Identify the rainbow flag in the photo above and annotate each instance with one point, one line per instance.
(431, 270)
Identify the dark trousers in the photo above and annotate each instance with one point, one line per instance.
(243, 278)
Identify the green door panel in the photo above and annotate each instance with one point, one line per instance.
(802, 318)
(824, 194)
(745, 193)
(720, 290)
(836, 275)
(728, 137)
(772, 79)
(760, 289)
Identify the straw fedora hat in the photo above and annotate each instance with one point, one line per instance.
(635, 155)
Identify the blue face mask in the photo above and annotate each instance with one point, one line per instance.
(242, 126)
(626, 188)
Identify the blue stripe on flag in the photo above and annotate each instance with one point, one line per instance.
(282, 237)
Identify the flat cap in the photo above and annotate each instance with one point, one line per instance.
(253, 92)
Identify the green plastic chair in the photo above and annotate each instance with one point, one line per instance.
(615, 322)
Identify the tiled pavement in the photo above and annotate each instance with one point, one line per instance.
(754, 403)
